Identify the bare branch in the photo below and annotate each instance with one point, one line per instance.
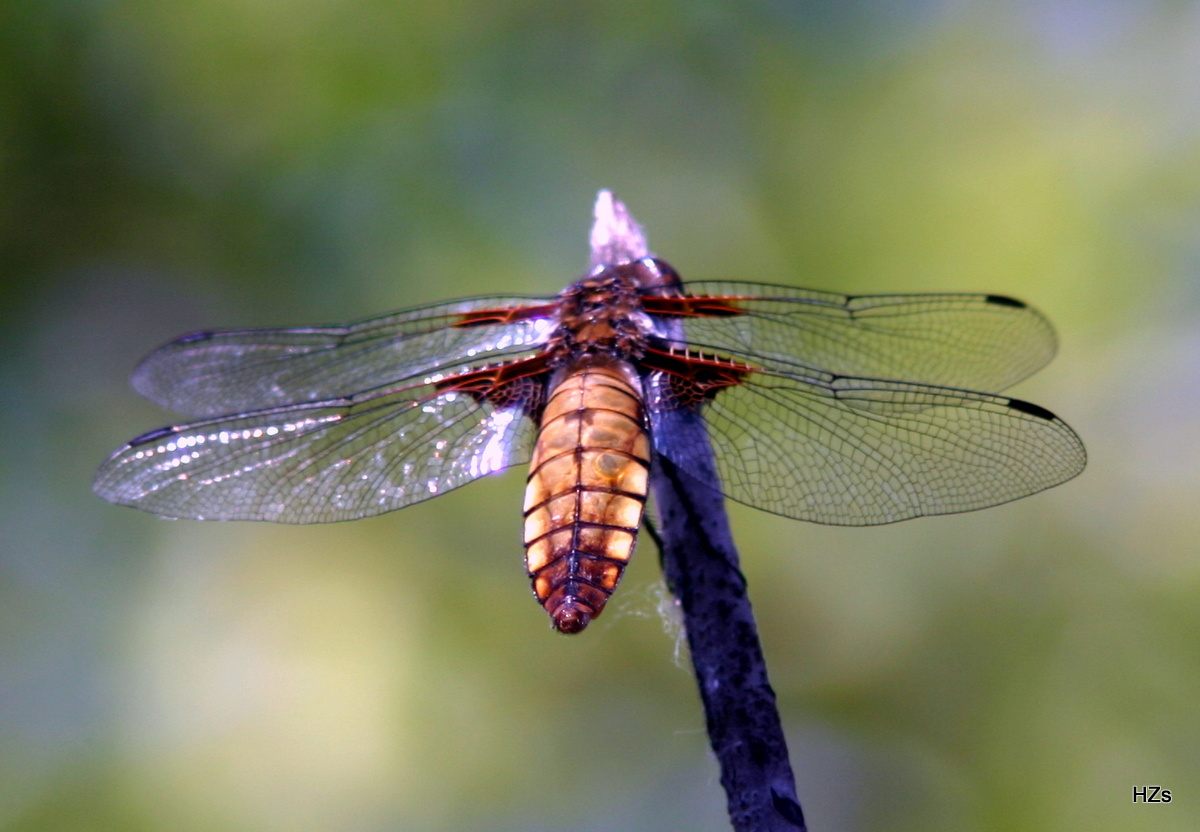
(616, 237)
(701, 567)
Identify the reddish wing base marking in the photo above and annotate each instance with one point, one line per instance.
(491, 317)
(680, 307)
(692, 307)
(518, 383)
(696, 378)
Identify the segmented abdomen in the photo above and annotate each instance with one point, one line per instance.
(586, 491)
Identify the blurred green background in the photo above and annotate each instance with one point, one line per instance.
(166, 166)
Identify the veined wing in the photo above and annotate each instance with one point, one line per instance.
(974, 342)
(213, 373)
(339, 459)
(859, 452)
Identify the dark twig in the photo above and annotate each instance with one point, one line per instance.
(701, 568)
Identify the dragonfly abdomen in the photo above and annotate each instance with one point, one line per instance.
(586, 490)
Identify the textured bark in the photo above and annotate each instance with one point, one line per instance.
(701, 566)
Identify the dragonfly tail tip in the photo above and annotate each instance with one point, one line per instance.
(570, 618)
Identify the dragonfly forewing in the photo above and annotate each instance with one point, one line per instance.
(973, 342)
(218, 372)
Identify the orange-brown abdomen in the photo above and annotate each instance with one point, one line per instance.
(586, 491)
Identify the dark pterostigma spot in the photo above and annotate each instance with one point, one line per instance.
(1005, 300)
(158, 433)
(192, 337)
(1032, 409)
(788, 809)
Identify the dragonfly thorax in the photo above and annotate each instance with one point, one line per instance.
(602, 314)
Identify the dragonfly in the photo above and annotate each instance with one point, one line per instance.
(839, 409)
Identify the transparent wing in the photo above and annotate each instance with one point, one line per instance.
(975, 342)
(320, 462)
(859, 452)
(211, 373)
